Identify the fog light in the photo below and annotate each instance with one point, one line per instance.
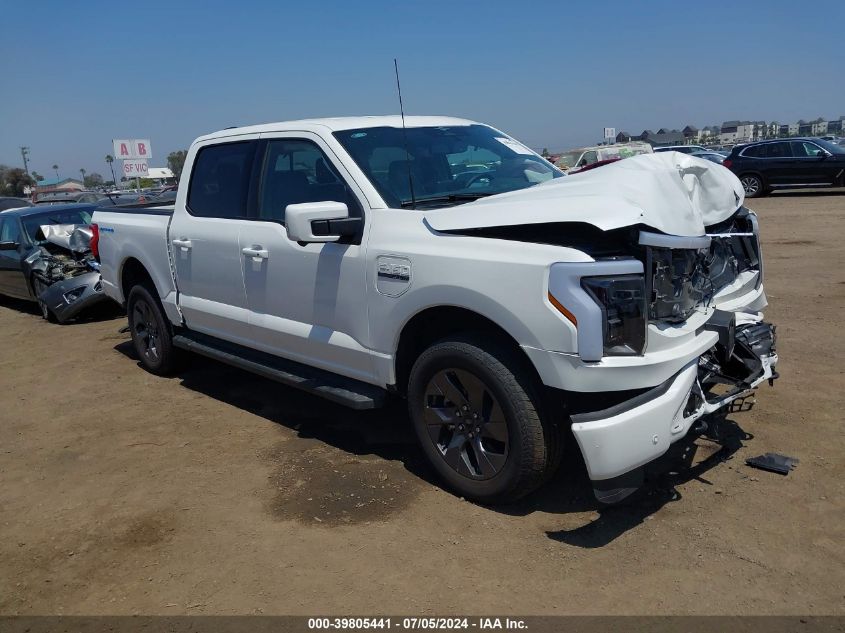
(73, 295)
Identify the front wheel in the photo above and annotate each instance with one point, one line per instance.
(150, 331)
(38, 288)
(477, 417)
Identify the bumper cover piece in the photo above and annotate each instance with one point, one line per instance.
(619, 440)
(65, 300)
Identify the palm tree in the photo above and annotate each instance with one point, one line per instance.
(56, 169)
(110, 160)
(82, 171)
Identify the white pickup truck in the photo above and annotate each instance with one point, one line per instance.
(442, 261)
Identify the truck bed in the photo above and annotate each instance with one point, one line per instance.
(139, 232)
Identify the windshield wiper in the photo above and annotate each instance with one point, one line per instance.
(452, 197)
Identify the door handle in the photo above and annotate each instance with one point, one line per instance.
(184, 243)
(256, 251)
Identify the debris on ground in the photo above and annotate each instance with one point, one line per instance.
(774, 462)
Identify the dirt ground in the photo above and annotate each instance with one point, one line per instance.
(218, 492)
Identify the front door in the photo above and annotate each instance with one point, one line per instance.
(12, 281)
(811, 164)
(204, 240)
(306, 301)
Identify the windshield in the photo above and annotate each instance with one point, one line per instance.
(32, 223)
(448, 164)
(568, 160)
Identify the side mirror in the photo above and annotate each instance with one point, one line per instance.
(320, 222)
(8, 246)
(823, 154)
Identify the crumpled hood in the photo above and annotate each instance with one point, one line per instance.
(672, 192)
(74, 237)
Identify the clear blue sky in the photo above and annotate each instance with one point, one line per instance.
(77, 74)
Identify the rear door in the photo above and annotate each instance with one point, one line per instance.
(778, 165)
(204, 238)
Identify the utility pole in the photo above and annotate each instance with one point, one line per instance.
(24, 154)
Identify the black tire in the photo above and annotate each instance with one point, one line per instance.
(39, 287)
(476, 457)
(151, 333)
(753, 185)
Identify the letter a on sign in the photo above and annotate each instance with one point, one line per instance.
(122, 148)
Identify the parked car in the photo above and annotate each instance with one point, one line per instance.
(713, 157)
(787, 164)
(7, 203)
(504, 304)
(166, 197)
(683, 149)
(45, 256)
(116, 199)
(68, 197)
(582, 158)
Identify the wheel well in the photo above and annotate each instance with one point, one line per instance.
(134, 274)
(434, 324)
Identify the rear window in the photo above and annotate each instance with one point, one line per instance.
(220, 180)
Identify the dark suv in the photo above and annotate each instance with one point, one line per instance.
(787, 164)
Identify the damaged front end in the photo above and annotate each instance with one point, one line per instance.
(65, 275)
(710, 284)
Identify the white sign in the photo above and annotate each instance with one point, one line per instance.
(132, 148)
(135, 168)
(609, 132)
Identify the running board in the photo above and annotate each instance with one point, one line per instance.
(346, 391)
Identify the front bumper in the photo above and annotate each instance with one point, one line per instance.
(619, 440)
(69, 297)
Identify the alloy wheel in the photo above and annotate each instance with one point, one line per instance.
(751, 185)
(466, 424)
(145, 330)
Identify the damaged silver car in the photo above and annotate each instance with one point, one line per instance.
(45, 256)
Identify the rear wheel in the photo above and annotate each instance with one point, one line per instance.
(151, 334)
(753, 186)
(477, 415)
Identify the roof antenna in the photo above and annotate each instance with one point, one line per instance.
(405, 136)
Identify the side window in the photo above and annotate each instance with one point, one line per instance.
(9, 230)
(296, 171)
(803, 149)
(220, 180)
(588, 159)
(755, 151)
(778, 150)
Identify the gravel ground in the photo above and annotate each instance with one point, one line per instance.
(217, 492)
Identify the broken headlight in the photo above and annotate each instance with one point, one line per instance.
(622, 301)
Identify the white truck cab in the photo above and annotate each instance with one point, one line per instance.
(441, 260)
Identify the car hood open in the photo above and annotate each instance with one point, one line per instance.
(674, 193)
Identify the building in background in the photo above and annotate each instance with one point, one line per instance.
(161, 175)
(51, 185)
